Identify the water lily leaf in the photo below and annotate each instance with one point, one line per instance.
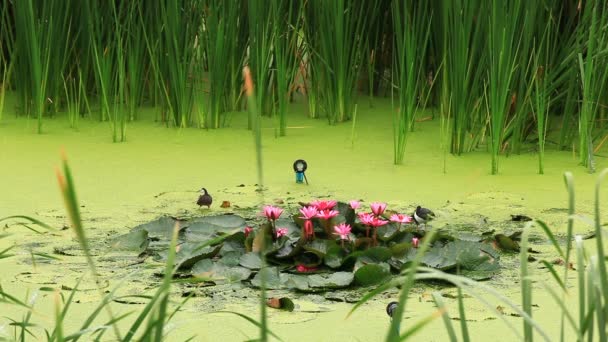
(347, 212)
(228, 221)
(388, 231)
(372, 274)
(375, 255)
(296, 281)
(136, 241)
(335, 256)
(308, 259)
(272, 278)
(235, 243)
(319, 246)
(218, 272)
(290, 248)
(203, 228)
(230, 259)
(161, 228)
(436, 257)
(468, 257)
(251, 260)
(401, 249)
(189, 253)
(331, 280)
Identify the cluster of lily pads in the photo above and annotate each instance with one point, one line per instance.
(323, 245)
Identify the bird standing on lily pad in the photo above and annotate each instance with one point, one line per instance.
(423, 215)
(204, 199)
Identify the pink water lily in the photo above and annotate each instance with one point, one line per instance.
(343, 230)
(401, 218)
(324, 205)
(365, 218)
(354, 204)
(376, 222)
(415, 242)
(378, 208)
(281, 232)
(248, 231)
(327, 214)
(272, 213)
(308, 212)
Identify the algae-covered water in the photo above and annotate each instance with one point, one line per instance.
(159, 170)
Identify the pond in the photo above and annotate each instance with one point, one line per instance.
(159, 171)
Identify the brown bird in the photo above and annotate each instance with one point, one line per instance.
(204, 198)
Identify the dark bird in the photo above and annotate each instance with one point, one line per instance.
(422, 215)
(204, 198)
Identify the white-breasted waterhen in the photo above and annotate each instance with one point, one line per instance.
(204, 199)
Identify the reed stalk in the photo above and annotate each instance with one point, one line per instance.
(337, 30)
(181, 25)
(288, 50)
(223, 44)
(504, 37)
(412, 26)
(593, 65)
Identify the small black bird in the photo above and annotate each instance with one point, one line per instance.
(422, 215)
(204, 198)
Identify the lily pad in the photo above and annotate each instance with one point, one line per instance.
(161, 228)
(190, 253)
(372, 274)
(375, 255)
(335, 256)
(220, 273)
(136, 241)
(203, 228)
(272, 278)
(331, 280)
(251, 260)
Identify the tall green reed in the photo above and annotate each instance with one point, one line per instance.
(337, 39)
(465, 61)
(593, 65)
(224, 45)
(412, 30)
(504, 37)
(260, 57)
(288, 49)
(181, 27)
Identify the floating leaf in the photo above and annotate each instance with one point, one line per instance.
(308, 259)
(331, 280)
(335, 256)
(388, 231)
(161, 228)
(251, 260)
(204, 228)
(372, 274)
(272, 278)
(136, 241)
(190, 253)
(375, 255)
(218, 272)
